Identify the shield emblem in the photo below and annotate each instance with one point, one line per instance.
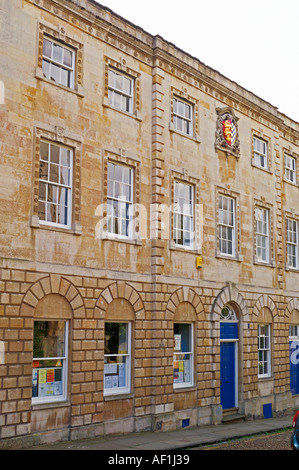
(229, 132)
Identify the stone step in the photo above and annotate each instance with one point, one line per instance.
(233, 418)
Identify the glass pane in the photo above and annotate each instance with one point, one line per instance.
(182, 337)
(63, 196)
(118, 172)
(127, 85)
(54, 173)
(49, 339)
(65, 157)
(55, 73)
(119, 82)
(51, 213)
(65, 176)
(54, 154)
(127, 104)
(117, 100)
(62, 215)
(67, 58)
(47, 48)
(44, 151)
(116, 341)
(52, 193)
(64, 78)
(46, 69)
(111, 171)
(43, 170)
(111, 75)
(42, 191)
(57, 53)
(115, 370)
(41, 210)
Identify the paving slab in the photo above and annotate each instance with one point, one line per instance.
(174, 440)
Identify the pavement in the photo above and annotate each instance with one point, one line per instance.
(174, 440)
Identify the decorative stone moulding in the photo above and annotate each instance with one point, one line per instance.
(227, 132)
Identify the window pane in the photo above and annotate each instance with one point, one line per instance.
(62, 215)
(54, 173)
(182, 337)
(65, 77)
(116, 338)
(57, 53)
(48, 360)
(44, 151)
(43, 171)
(65, 176)
(47, 48)
(55, 73)
(182, 358)
(41, 210)
(65, 157)
(54, 154)
(67, 58)
(46, 69)
(49, 339)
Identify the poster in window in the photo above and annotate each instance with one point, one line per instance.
(50, 375)
(110, 368)
(42, 376)
(108, 381)
(57, 388)
(34, 383)
(122, 375)
(187, 371)
(177, 342)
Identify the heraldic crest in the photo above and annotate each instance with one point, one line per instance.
(227, 133)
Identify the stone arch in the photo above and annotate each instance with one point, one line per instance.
(119, 290)
(291, 307)
(184, 294)
(52, 284)
(229, 295)
(264, 301)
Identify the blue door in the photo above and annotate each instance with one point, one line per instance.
(227, 375)
(294, 367)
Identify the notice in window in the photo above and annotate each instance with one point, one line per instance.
(177, 342)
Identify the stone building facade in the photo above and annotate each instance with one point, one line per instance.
(149, 233)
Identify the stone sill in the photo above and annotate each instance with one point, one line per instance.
(78, 90)
(135, 115)
(43, 406)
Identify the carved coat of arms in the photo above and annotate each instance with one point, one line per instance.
(227, 133)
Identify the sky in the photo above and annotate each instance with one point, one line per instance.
(254, 43)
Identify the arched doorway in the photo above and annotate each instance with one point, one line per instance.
(229, 340)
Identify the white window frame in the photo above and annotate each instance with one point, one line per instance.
(187, 122)
(224, 225)
(69, 69)
(68, 187)
(264, 348)
(292, 243)
(290, 168)
(190, 383)
(64, 359)
(113, 90)
(184, 214)
(128, 361)
(120, 201)
(260, 153)
(294, 332)
(262, 235)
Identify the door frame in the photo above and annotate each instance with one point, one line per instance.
(235, 342)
